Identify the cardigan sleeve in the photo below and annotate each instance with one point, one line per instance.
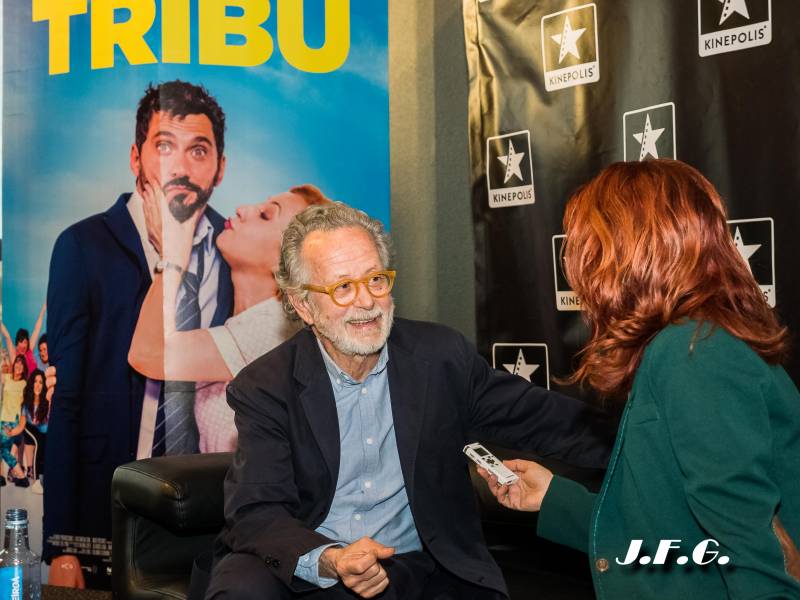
(566, 514)
(713, 392)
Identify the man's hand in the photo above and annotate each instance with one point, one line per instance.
(171, 239)
(65, 571)
(527, 492)
(357, 566)
(50, 382)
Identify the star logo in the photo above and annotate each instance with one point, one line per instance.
(567, 40)
(746, 250)
(648, 139)
(512, 161)
(573, 32)
(732, 25)
(521, 368)
(733, 6)
(759, 257)
(653, 127)
(509, 169)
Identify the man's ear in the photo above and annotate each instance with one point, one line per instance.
(220, 170)
(135, 164)
(301, 307)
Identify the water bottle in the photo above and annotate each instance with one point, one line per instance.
(20, 569)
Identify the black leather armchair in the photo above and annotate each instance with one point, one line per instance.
(168, 510)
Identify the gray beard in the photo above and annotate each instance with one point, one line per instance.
(338, 337)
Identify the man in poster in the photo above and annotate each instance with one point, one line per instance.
(105, 413)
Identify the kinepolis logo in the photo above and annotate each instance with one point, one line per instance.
(569, 47)
(509, 169)
(649, 132)
(755, 241)
(729, 25)
(529, 361)
(566, 298)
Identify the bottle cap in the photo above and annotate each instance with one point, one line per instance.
(16, 516)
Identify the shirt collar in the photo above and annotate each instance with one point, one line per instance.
(204, 232)
(338, 375)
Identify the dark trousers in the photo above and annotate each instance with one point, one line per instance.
(412, 576)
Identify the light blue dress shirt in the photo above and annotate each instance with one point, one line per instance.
(370, 498)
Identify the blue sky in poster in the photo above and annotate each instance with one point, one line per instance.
(67, 138)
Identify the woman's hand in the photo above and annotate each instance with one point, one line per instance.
(171, 239)
(527, 492)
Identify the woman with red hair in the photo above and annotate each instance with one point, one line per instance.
(709, 442)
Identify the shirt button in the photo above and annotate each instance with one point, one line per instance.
(338, 382)
(601, 564)
(367, 484)
(369, 441)
(357, 517)
(363, 390)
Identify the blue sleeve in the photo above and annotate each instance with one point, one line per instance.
(308, 568)
(68, 332)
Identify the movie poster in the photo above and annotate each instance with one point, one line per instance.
(218, 119)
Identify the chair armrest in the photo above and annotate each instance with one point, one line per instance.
(183, 494)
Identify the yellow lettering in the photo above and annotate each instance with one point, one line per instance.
(129, 36)
(175, 36)
(215, 25)
(58, 12)
(291, 38)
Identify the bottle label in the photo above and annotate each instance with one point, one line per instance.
(11, 583)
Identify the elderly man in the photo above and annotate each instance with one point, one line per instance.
(349, 479)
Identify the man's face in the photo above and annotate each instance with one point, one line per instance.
(43, 352)
(330, 256)
(179, 155)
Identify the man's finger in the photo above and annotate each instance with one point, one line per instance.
(359, 565)
(372, 571)
(147, 191)
(367, 588)
(384, 552)
(364, 582)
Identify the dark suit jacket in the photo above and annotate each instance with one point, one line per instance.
(98, 280)
(443, 394)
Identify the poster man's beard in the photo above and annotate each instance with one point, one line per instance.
(182, 212)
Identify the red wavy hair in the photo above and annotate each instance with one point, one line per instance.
(647, 244)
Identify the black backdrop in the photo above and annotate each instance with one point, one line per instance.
(575, 86)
